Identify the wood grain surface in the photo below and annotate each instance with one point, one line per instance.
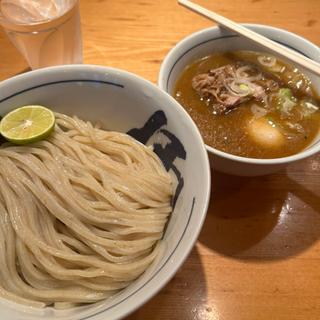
(258, 255)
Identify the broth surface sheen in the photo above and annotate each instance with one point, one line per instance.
(281, 123)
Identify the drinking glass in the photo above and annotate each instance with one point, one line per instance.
(46, 32)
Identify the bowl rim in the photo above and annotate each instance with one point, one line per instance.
(184, 46)
(185, 244)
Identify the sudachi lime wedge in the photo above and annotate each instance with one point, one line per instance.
(27, 124)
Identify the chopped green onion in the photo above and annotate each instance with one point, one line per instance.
(311, 106)
(285, 93)
(286, 101)
(308, 109)
(244, 87)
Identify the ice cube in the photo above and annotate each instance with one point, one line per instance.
(33, 11)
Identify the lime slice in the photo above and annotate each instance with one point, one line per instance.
(27, 124)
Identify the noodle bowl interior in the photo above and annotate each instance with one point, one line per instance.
(250, 104)
(82, 214)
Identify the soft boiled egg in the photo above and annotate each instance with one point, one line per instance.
(265, 133)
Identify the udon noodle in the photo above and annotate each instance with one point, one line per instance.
(82, 214)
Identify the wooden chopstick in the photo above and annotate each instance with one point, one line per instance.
(276, 48)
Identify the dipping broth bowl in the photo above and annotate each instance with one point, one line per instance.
(215, 39)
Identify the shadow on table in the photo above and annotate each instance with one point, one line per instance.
(187, 289)
(262, 218)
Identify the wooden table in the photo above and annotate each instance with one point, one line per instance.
(258, 255)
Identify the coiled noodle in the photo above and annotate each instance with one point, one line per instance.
(81, 214)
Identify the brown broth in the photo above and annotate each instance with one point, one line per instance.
(229, 132)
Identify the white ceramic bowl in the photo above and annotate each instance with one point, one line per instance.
(208, 41)
(122, 101)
